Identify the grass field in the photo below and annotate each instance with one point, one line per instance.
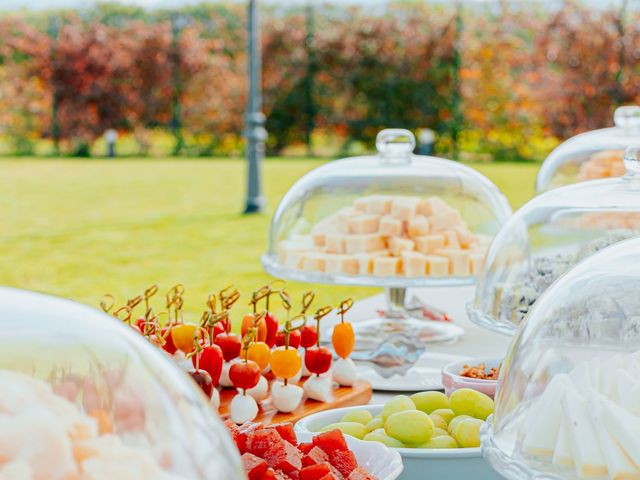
(80, 229)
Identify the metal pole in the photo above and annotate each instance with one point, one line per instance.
(255, 133)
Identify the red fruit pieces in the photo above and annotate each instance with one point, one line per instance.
(284, 456)
(305, 447)
(361, 474)
(344, 461)
(316, 455)
(255, 467)
(315, 472)
(241, 433)
(262, 440)
(331, 441)
(270, 474)
(286, 432)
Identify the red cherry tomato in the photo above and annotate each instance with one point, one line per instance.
(203, 379)
(309, 336)
(272, 329)
(168, 340)
(317, 359)
(294, 339)
(244, 375)
(230, 344)
(219, 328)
(210, 360)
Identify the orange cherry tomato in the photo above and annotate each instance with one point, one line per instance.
(247, 324)
(260, 353)
(343, 339)
(182, 336)
(285, 362)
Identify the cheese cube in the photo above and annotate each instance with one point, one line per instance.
(335, 243)
(366, 223)
(386, 266)
(404, 207)
(345, 264)
(414, 264)
(343, 216)
(287, 247)
(429, 243)
(451, 239)
(465, 238)
(445, 221)
(437, 266)
(418, 226)
(390, 227)
(476, 262)
(319, 238)
(433, 206)
(365, 261)
(459, 261)
(374, 204)
(363, 243)
(313, 262)
(293, 260)
(398, 245)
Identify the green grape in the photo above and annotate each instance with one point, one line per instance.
(348, 428)
(438, 421)
(379, 436)
(471, 402)
(411, 427)
(446, 413)
(397, 404)
(454, 422)
(467, 432)
(358, 416)
(375, 424)
(430, 401)
(442, 441)
(438, 432)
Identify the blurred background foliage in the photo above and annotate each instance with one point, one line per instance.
(494, 81)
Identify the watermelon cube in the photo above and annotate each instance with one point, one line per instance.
(315, 472)
(241, 433)
(284, 456)
(361, 474)
(259, 441)
(255, 467)
(270, 474)
(330, 476)
(305, 447)
(331, 441)
(344, 461)
(316, 455)
(286, 432)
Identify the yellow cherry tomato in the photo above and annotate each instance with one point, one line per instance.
(343, 339)
(182, 336)
(285, 362)
(260, 353)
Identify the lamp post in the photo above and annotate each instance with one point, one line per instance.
(254, 132)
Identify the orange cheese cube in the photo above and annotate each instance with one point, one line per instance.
(404, 207)
(418, 226)
(414, 264)
(361, 224)
(465, 237)
(313, 262)
(476, 263)
(398, 245)
(345, 264)
(437, 266)
(363, 243)
(451, 239)
(365, 261)
(374, 204)
(386, 266)
(335, 243)
(445, 221)
(429, 243)
(390, 227)
(343, 217)
(459, 261)
(433, 206)
(319, 238)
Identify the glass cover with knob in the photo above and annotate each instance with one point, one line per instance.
(547, 236)
(84, 397)
(568, 398)
(592, 155)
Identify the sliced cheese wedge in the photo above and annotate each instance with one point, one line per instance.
(562, 451)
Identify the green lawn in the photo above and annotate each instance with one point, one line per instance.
(80, 229)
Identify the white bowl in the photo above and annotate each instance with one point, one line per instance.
(419, 463)
(452, 381)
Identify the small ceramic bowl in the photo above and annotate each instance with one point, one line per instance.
(452, 381)
(419, 463)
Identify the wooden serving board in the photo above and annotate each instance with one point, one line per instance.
(359, 394)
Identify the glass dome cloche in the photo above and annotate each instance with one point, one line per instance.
(592, 155)
(83, 397)
(547, 236)
(394, 220)
(568, 399)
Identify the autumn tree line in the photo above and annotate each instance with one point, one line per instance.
(497, 82)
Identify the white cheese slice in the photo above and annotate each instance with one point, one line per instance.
(562, 452)
(541, 436)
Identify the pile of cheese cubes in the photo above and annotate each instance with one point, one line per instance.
(384, 235)
(608, 163)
